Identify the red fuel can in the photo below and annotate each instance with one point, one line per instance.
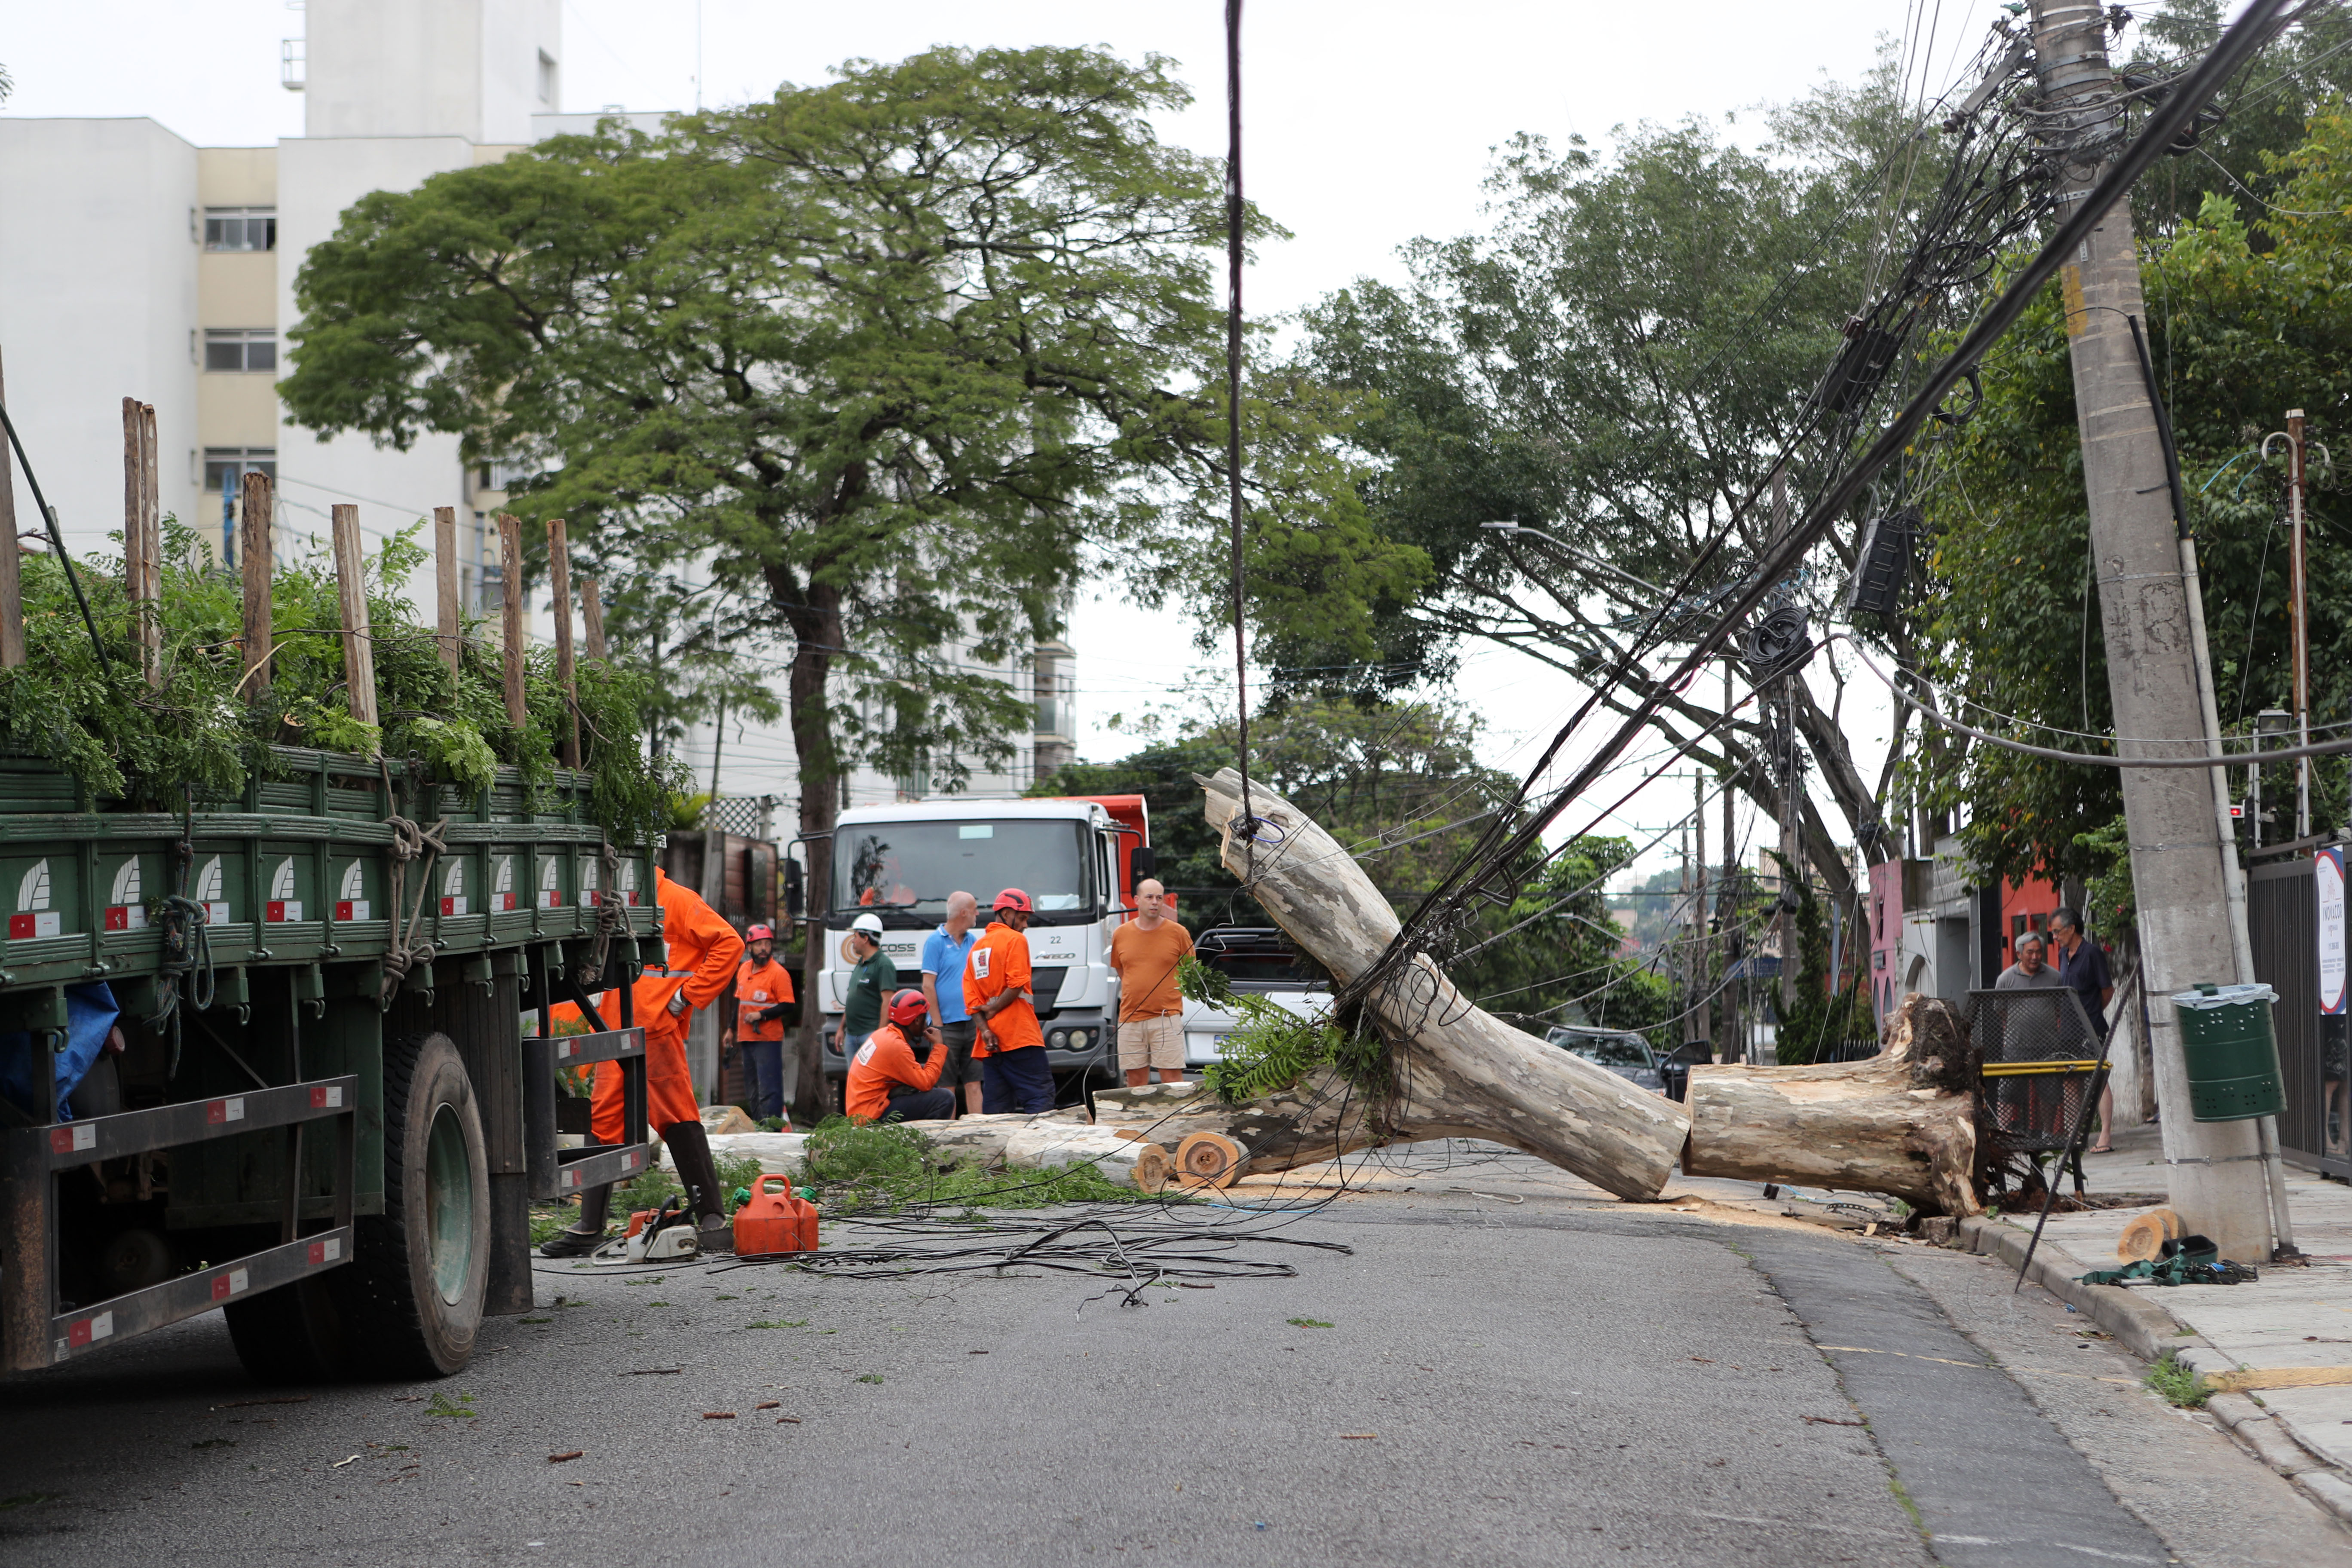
(774, 1222)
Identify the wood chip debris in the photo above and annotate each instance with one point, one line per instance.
(719, 1415)
(1833, 1421)
(283, 1399)
(657, 1371)
(792, 1420)
(769, 1404)
(339, 1464)
(1357, 1436)
(565, 1458)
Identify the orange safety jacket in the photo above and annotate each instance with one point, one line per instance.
(883, 1059)
(702, 953)
(757, 989)
(1000, 963)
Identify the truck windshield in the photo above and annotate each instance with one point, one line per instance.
(914, 865)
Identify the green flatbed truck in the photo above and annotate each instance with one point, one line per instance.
(313, 1103)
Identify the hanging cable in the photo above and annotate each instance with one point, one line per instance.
(1248, 824)
(57, 538)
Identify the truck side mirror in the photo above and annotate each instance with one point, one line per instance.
(1143, 861)
(794, 895)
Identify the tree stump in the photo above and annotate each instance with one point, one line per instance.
(1902, 1122)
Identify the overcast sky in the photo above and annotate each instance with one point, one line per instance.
(1367, 124)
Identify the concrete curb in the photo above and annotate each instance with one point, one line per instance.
(2145, 1325)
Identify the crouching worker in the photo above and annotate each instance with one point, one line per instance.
(701, 957)
(886, 1083)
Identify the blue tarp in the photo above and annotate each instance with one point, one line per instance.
(90, 1012)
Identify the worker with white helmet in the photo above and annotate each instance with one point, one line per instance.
(871, 980)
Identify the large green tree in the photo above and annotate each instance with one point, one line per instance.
(882, 356)
(1617, 358)
(2242, 325)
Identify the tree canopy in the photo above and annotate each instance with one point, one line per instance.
(884, 356)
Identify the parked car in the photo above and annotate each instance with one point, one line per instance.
(1622, 1051)
(1257, 960)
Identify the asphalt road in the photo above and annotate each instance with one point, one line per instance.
(1554, 1381)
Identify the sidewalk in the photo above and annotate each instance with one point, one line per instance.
(2280, 1347)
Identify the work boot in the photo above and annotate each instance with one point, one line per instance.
(587, 1234)
(689, 1151)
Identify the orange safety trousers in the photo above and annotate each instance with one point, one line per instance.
(670, 1087)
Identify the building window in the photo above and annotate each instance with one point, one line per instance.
(222, 464)
(240, 228)
(240, 347)
(546, 79)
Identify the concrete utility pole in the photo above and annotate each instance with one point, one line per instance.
(1700, 1026)
(2179, 868)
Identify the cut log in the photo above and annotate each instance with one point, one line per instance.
(1902, 1122)
(1460, 1071)
(1209, 1159)
(2142, 1239)
(980, 1140)
(1059, 1145)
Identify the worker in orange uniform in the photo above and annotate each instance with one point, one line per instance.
(764, 994)
(699, 963)
(1013, 1073)
(886, 1083)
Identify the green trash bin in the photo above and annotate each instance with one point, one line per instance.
(2231, 1055)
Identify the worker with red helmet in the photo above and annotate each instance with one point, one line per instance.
(886, 1083)
(764, 994)
(1013, 1073)
(700, 959)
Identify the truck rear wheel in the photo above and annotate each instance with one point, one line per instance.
(411, 1300)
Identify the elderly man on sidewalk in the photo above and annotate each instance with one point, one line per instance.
(1144, 953)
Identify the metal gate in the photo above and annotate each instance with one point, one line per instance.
(2283, 920)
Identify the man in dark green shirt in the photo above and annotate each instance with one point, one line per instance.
(870, 983)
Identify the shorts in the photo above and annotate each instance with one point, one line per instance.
(1151, 1043)
(960, 1067)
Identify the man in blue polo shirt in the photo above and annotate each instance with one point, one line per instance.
(944, 954)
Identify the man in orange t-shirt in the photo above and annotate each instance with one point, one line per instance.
(764, 994)
(1014, 1072)
(886, 1083)
(702, 951)
(1144, 953)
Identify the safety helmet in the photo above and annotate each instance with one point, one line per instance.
(761, 933)
(871, 925)
(907, 1007)
(1013, 899)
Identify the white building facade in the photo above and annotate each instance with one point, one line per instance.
(133, 264)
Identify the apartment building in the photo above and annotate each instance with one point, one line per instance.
(136, 264)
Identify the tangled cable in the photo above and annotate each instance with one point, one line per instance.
(402, 951)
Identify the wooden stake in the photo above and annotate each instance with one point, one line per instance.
(141, 546)
(351, 591)
(559, 579)
(254, 563)
(592, 616)
(511, 597)
(12, 591)
(445, 565)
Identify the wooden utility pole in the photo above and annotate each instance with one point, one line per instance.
(511, 615)
(254, 563)
(12, 587)
(2177, 859)
(559, 579)
(351, 593)
(1728, 1046)
(2302, 624)
(591, 617)
(143, 541)
(451, 633)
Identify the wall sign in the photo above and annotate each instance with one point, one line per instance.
(2327, 880)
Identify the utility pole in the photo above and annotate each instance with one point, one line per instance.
(2298, 611)
(1729, 1046)
(1700, 1026)
(2178, 855)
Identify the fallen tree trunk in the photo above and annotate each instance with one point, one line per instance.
(1902, 1122)
(1459, 1071)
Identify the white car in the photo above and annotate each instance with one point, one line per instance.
(1256, 959)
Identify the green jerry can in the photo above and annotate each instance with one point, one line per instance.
(2231, 1055)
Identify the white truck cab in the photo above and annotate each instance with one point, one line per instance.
(1078, 858)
